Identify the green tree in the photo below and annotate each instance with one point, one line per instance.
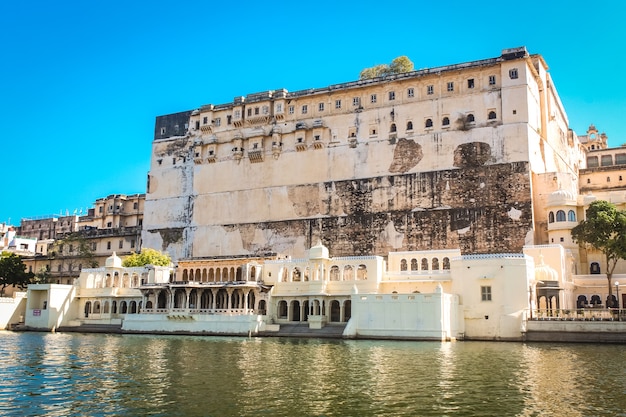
(398, 65)
(604, 229)
(147, 256)
(13, 272)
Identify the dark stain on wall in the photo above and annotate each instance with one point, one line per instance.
(472, 154)
(406, 155)
(465, 208)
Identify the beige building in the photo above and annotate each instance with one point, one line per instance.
(455, 157)
(67, 244)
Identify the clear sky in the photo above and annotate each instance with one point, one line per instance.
(81, 82)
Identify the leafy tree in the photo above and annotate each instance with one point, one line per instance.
(398, 65)
(147, 256)
(604, 230)
(13, 271)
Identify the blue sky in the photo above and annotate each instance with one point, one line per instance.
(81, 82)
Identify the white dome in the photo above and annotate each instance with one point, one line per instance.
(113, 261)
(544, 272)
(318, 251)
(561, 197)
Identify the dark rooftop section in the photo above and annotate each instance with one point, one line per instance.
(175, 124)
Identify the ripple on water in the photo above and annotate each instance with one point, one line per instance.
(107, 375)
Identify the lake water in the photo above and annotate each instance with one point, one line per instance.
(45, 374)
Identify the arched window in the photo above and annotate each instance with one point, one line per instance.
(414, 265)
(282, 309)
(392, 128)
(424, 264)
(492, 115)
(403, 266)
(347, 310)
(348, 273)
(571, 216)
(429, 123)
(594, 268)
(435, 264)
(446, 263)
(560, 216)
(471, 118)
(296, 276)
(334, 273)
(551, 217)
(335, 311)
(262, 307)
(361, 273)
(445, 121)
(409, 125)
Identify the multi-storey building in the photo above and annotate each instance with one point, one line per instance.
(461, 156)
(66, 244)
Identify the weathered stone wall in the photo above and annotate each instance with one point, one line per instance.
(479, 209)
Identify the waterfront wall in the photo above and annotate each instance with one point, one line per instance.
(249, 324)
(12, 309)
(404, 316)
(576, 331)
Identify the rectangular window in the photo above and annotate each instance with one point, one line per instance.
(450, 86)
(356, 101)
(291, 109)
(392, 95)
(218, 121)
(410, 93)
(373, 98)
(430, 89)
(492, 80)
(279, 108)
(121, 244)
(237, 114)
(266, 110)
(229, 119)
(485, 293)
(132, 243)
(320, 107)
(256, 111)
(606, 160)
(205, 120)
(93, 246)
(305, 109)
(337, 104)
(470, 83)
(620, 159)
(592, 161)
(513, 73)
(108, 245)
(249, 112)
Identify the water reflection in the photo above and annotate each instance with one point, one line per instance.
(106, 375)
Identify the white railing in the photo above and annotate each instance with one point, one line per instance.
(579, 314)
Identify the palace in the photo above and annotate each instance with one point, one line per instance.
(434, 204)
